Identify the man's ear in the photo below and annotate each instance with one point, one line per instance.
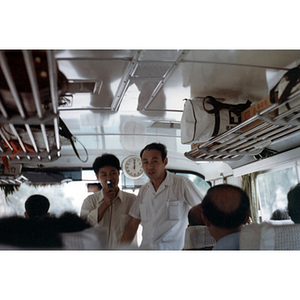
(247, 219)
(26, 215)
(166, 161)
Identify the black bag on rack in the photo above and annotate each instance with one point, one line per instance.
(205, 118)
(286, 87)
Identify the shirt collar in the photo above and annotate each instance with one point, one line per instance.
(120, 195)
(168, 181)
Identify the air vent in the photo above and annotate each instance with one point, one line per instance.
(165, 124)
(81, 86)
(151, 70)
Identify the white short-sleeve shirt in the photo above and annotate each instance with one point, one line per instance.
(116, 217)
(164, 213)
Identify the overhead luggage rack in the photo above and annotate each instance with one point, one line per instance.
(251, 137)
(29, 130)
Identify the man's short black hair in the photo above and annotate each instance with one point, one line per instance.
(294, 203)
(106, 160)
(222, 219)
(37, 206)
(156, 146)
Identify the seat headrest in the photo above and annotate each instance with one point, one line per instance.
(198, 237)
(93, 238)
(270, 236)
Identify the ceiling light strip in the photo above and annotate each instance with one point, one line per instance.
(162, 82)
(125, 82)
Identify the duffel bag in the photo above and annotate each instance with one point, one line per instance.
(204, 118)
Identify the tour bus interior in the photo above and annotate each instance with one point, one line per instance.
(117, 101)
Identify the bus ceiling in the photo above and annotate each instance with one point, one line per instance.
(117, 101)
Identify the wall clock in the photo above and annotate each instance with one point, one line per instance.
(132, 167)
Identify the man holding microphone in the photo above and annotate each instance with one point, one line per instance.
(110, 206)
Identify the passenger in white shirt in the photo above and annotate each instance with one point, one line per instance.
(162, 204)
(110, 206)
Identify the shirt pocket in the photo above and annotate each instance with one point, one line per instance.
(173, 210)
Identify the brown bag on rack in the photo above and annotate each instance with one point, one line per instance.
(24, 136)
(19, 74)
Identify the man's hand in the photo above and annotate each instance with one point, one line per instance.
(109, 195)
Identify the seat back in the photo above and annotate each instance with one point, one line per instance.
(93, 238)
(276, 235)
(198, 237)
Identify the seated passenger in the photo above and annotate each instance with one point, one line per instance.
(38, 233)
(294, 203)
(280, 214)
(21, 233)
(197, 236)
(36, 207)
(67, 222)
(195, 216)
(225, 209)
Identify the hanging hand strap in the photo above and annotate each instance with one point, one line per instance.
(65, 132)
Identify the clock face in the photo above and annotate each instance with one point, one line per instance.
(132, 167)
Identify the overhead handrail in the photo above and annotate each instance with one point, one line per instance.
(42, 118)
(11, 83)
(54, 93)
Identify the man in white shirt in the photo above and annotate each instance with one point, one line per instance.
(162, 204)
(110, 206)
(225, 209)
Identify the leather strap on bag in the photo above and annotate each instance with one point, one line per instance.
(217, 106)
(65, 132)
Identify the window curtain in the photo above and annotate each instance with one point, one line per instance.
(248, 185)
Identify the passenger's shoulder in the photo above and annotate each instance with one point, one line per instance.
(94, 196)
(128, 195)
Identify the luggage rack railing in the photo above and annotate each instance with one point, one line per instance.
(44, 119)
(235, 143)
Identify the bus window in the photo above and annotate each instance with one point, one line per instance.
(272, 189)
(63, 197)
(200, 183)
(69, 196)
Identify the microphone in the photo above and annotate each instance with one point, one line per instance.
(109, 184)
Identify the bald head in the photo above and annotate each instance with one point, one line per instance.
(226, 206)
(226, 198)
